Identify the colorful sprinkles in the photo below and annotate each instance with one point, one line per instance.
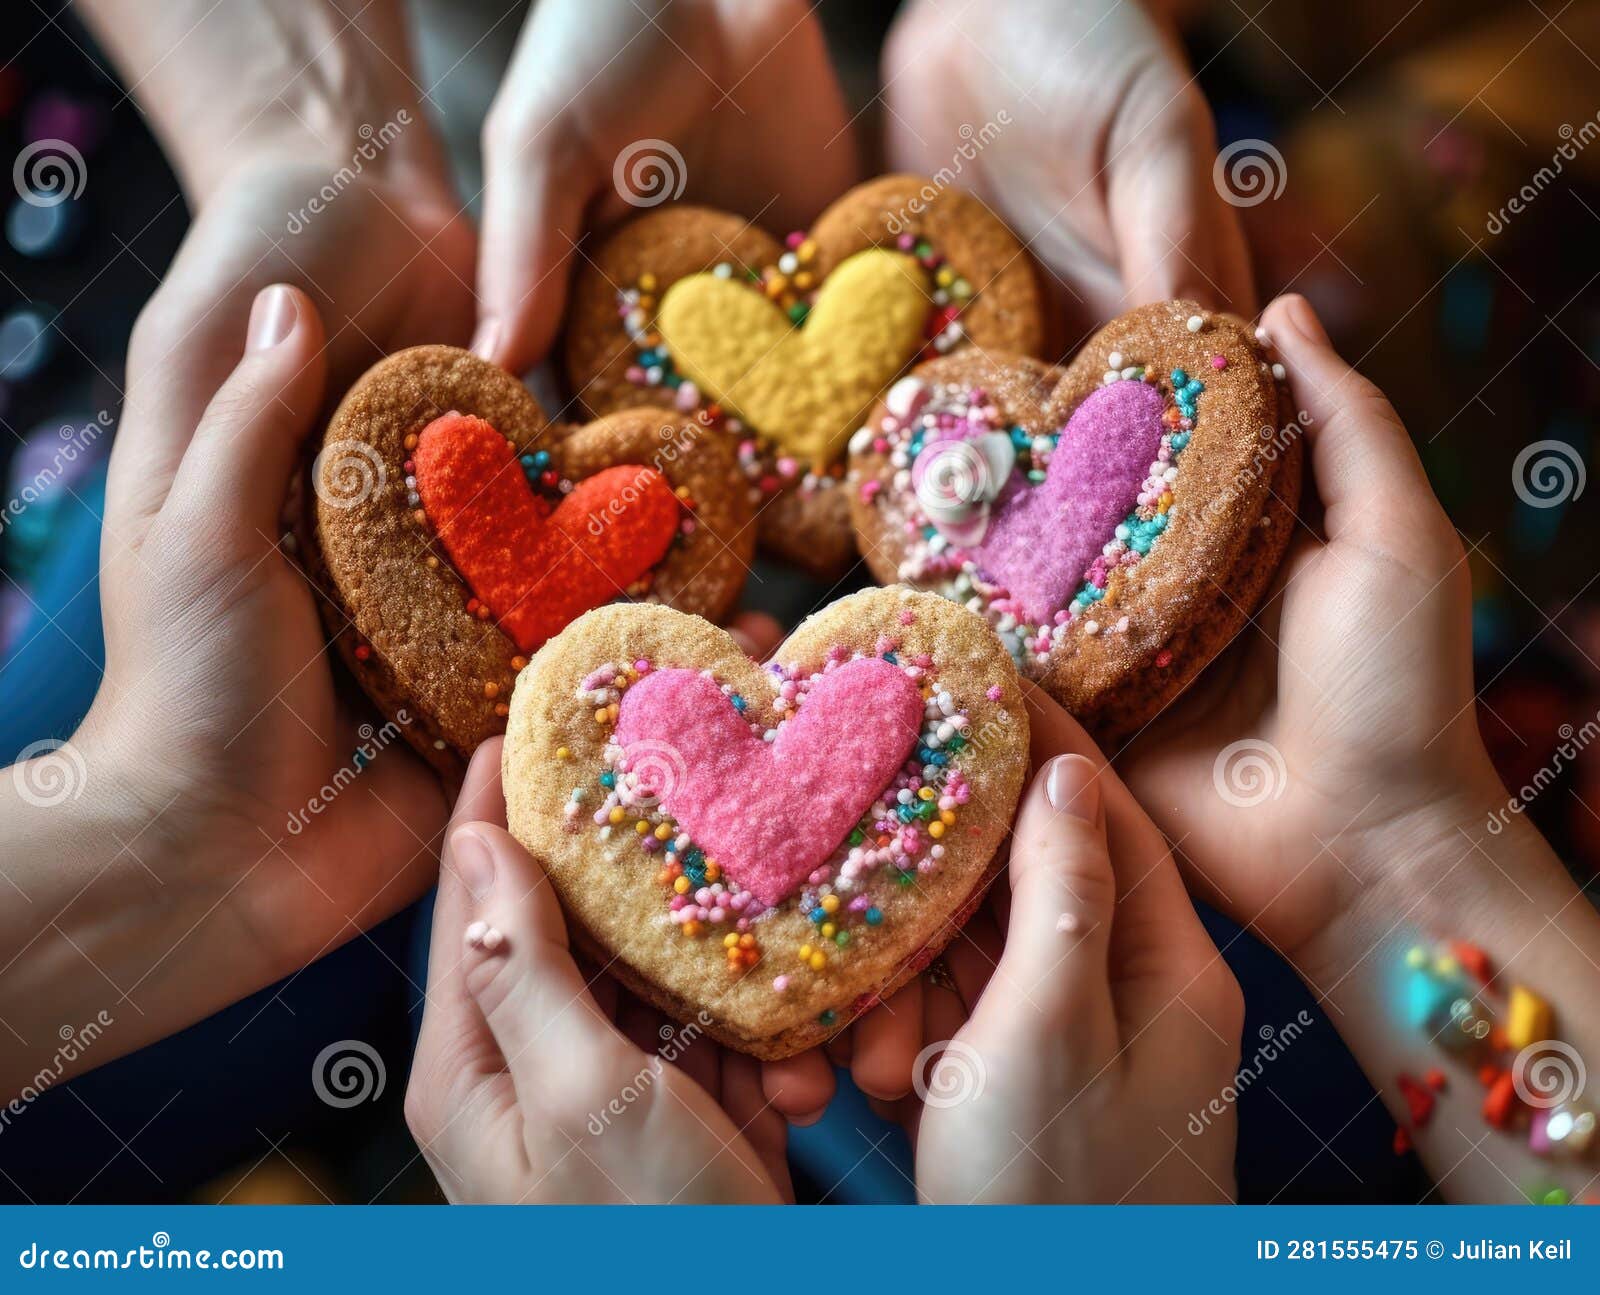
(846, 898)
(791, 283)
(918, 414)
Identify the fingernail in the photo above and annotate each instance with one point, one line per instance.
(1303, 320)
(1072, 786)
(473, 862)
(486, 339)
(272, 316)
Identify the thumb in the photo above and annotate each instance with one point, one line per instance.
(1371, 482)
(1055, 971)
(532, 219)
(247, 444)
(557, 1044)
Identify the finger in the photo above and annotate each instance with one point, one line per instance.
(556, 1042)
(799, 1087)
(532, 219)
(237, 468)
(1055, 973)
(756, 633)
(1159, 943)
(1176, 238)
(887, 1040)
(458, 1078)
(1370, 480)
(753, 1114)
(974, 954)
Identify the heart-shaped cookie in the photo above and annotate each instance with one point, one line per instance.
(1116, 520)
(456, 529)
(787, 343)
(768, 850)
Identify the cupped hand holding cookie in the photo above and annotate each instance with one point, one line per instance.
(612, 106)
(1056, 1051)
(232, 833)
(1083, 127)
(537, 1079)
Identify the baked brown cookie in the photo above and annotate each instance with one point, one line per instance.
(787, 343)
(455, 529)
(1116, 521)
(767, 851)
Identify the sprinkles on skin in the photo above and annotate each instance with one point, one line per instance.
(844, 898)
(919, 414)
(792, 284)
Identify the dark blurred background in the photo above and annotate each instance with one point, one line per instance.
(1406, 130)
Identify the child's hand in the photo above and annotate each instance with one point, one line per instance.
(1109, 1021)
(1079, 121)
(597, 94)
(534, 1082)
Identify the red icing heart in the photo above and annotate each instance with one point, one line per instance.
(536, 569)
(770, 812)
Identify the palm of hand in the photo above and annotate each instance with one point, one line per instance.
(388, 261)
(1086, 131)
(749, 101)
(1331, 718)
(257, 747)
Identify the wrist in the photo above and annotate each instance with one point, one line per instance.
(326, 85)
(84, 853)
(1460, 862)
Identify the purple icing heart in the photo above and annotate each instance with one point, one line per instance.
(1041, 539)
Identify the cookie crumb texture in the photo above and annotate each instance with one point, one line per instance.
(784, 344)
(1116, 521)
(768, 850)
(454, 529)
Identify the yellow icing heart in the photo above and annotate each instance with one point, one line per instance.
(807, 388)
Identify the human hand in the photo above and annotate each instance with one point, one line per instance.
(1083, 127)
(1351, 695)
(537, 1082)
(743, 94)
(1063, 1059)
(1328, 786)
(311, 162)
(220, 833)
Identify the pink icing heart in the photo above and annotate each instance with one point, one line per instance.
(769, 812)
(1041, 539)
